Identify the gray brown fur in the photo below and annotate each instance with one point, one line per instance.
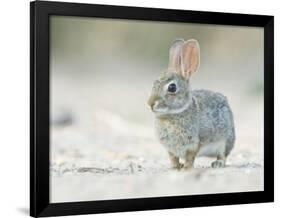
(191, 123)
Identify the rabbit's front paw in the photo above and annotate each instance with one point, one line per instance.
(177, 166)
(189, 159)
(218, 164)
(188, 165)
(175, 161)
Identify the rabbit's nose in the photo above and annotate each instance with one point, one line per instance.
(150, 105)
(151, 102)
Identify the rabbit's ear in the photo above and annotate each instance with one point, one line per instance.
(175, 55)
(190, 56)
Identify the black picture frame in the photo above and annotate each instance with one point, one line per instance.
(39, 108)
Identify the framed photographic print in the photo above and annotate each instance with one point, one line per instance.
(142, 109)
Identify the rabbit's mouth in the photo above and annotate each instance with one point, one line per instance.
(163, 110)
(157, 107)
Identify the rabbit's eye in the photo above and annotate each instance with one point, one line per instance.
(172, 88)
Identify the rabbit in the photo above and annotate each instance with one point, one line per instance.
(190, 123)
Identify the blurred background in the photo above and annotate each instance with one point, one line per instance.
(102, 134)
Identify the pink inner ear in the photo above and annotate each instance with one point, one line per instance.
(190, 58)
(175, 55)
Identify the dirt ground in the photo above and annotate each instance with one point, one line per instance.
(98, 153)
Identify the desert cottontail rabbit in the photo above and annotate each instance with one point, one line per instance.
(190, 123)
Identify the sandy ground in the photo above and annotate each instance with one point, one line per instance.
(99, 154)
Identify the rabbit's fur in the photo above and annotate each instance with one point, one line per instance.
(190, 123)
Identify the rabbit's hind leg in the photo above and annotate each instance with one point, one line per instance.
(224, 151)
(175, 161)
(220, 162)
